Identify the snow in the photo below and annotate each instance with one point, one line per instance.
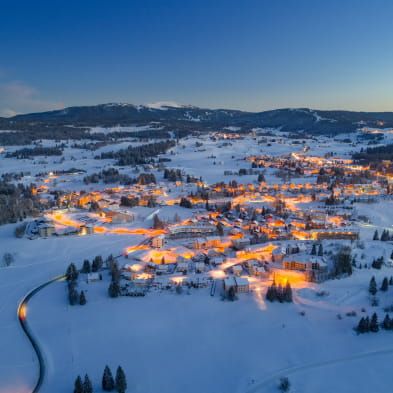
(190, 343)
(164, 105)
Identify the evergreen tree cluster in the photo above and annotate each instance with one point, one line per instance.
(367, 324)
(342, 262)
(97, 264)
(385, 236)
(129, 201)
(109, 384)
(377, 263)
(314, 250)
(372, 288)
(184, 202)
(279, 293)
(74, 297)
(157, 223)
(173, 175)
(27, 152)
(138, 155)
(19, 201)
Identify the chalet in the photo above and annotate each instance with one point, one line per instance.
(200, 267)
(237, 270)
(87, 229)
(239, 244)
(240, 284)
(208, 242)
(92, 277)
(182, 267)
(313, 267)
(46, 230)
(278, 254)
(158, 241)
(116, 216)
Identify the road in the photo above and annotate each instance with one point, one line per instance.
(21, 312)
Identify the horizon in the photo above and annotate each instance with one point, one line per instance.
(154, 105)
(253, 57)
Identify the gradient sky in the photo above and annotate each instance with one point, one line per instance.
(250, 54)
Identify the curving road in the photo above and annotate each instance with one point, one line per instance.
(21, 313)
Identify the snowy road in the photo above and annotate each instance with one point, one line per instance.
(21, 312)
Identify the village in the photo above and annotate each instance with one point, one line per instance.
(288, 231)
(223, 236)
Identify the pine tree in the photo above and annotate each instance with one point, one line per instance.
(87, 386)
(386, 324)
(82, 298)
(385, 284)
(97, 263)
(391, 280)
(115, 271)
(373, 286)
(71, 273)
(121, 382)
(362, 326)
(108, 383)
(86, 268)
(114, 289)
(280, 294)
(366, 324)
(391, 255)
(314, 249)
(78, 385)
(376, 236)
(320, 250)
(374, 323)
(271, 293)
(288, 293)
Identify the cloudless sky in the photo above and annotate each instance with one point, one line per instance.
(245, 54)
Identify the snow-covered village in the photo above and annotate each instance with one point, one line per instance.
(148, 245)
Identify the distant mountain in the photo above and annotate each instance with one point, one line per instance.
(296, 120)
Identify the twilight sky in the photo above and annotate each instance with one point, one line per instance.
(250, 54)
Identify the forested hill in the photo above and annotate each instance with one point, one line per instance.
(189, 117)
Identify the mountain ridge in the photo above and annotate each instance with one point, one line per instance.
(305, 120)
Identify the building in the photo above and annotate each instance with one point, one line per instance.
(92, 277)
(200, 267)
(191, 231)
(46, 230)
(208, 242)
(313, 267)
(116, 216)
(334, 234)
(182, 267)
(241, 243)
(86, 230)
(237, 270)
(158, 241)
(240, 284)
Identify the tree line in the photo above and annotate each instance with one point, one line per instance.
(108, 383)
(138, 155)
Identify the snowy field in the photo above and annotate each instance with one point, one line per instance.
(192, 343)
(189, 343)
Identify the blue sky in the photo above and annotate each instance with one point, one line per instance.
(251, 54)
